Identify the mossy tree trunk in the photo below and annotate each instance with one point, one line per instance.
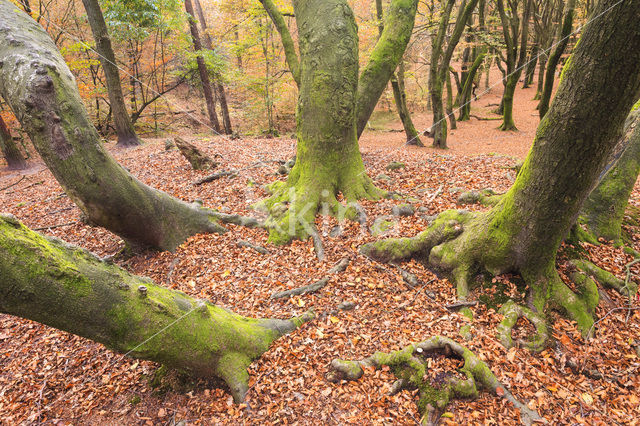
(9, 149)
(202, 68)
(39, 87)
(124, 127)
(439, 66)
(516, 55)
(604, 210)
(523, 232)
(465, 98)
(554, 58)
(334, 104)
(66, 287)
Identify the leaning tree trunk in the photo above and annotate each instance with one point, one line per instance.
(328, 160)
(39, 87)
(399, 93)
(202, 68)
(465, 99)
(224, 108)
(384, 58)
(604, 210)
(543, 106)
(66, 287)
(523, 232)
(541, 71)
(124, 128)
(9, 149)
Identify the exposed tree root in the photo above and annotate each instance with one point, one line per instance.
(486, 197)
(410, 366)
(607, 279)
(259, 249)
(512, 312)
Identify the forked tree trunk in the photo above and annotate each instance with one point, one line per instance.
(604, 210)
(39, 87)
(124, 128)
(202, 68)
(9, 149)
(66, 287)
(332, 105)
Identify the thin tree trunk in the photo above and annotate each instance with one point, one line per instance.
(449, 107)
(9, 149)
(41, 90)
(399, 94)
(465, 101)
(124, 128)
(541, 71)
(222, 97)
(531, 66)
(202, 68)
(567, 24)
(66, 287)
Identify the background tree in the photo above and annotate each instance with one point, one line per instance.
(513, 27)
(202, 67)
(546, 18)
(10, 151)
(524, 230)
(439, 66)
(554, 58)
(124, 128)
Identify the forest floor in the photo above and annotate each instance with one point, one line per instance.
(51, 377)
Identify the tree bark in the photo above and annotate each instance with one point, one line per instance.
(202, 67)
(10, 151)
(224, 108)
(39, 87)
(567, 24)
(328, 160)
(124, 128)
(604, 210)
(523, 232)
(68, 288)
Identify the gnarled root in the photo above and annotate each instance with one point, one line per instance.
(486, 197)
(410, 366)
(293, 205)
(511, 312)
(626, 288)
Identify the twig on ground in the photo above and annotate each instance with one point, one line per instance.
(311, 288)
(215, 176)
(13, 184)
(56, 226)
(259, 249)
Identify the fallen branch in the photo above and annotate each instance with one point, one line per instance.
(485, 118)
(259, 249)
(56, 226)
(318, 285)
(318, 246)
(461, 304)
(215, 176)
(13, 184)
(196, 158)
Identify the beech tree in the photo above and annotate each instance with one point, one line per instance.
(439, 66)
(202, 67)
(124, 127)
(333, 108)
(523, 231)
(554, 58)
(47, 280)
(513, 27)
(9, 149)
(37, 84)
